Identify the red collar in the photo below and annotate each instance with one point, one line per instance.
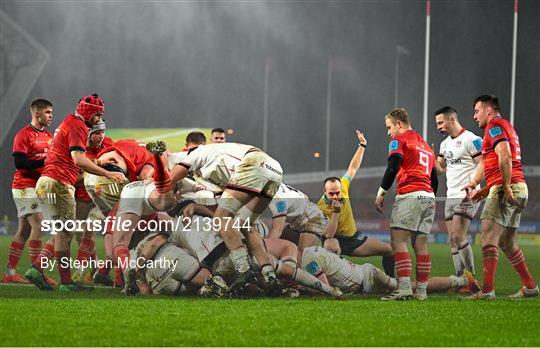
(462, 131)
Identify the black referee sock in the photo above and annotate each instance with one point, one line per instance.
(388, 265)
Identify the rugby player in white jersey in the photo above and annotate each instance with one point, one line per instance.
(249, 178)
(460, 154)
(198, 238)
(292, 207)
(167, 269)
(366, 278)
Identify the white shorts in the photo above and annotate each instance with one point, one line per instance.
(456, 206)
(26, 201)
(167, 280)
(134, 198)
(257, 172)
(104, 192)
(414, 211)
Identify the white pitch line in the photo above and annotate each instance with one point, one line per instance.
(167, 135)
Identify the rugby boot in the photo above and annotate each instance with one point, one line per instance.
(524, 292)
(37, 278)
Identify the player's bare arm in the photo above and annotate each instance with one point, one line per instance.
(178, 173)
(331, 227)
(394, 163)
(87, 165)
(356, 161)
(504, 155)
(278, 223)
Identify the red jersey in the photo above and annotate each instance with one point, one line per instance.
(497, 130)
(34, 144)
(91, 153)
(134, 153)
(71, 135)
(418, 161)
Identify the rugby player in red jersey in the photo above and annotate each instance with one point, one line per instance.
(506, 199)
(86, 209)
(30, 148)
(134, 162)
(55, 187)
(413, 161)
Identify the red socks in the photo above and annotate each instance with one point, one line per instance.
(423, 268)
(121, 253)
(490, 255)
(162, 179)
(63, 267)
(15, 252)
(86, 249)
(46, 254)
(518, 262)
(403, 264)
(34, 247)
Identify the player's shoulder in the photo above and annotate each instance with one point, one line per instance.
(496, 127)
(23, 132)
(467, 134)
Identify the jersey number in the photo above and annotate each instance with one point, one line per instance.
(424, 161)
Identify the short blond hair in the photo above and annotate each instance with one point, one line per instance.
(398, 114)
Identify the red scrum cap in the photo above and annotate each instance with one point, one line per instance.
(89, 105)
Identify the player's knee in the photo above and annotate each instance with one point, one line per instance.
(456, 239)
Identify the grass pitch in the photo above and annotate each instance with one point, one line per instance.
(174, 137)
(107, 318)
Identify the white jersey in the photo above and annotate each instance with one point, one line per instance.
(294, 204)
(459, 154)
(216, 162)
(196, 235)
(348, 277)
(174, 158)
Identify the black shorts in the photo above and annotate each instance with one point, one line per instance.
(349, 244)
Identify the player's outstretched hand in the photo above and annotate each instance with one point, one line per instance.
(361, 138)
(115, 176)
(379, 203)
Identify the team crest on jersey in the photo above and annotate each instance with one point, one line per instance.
(495, 131)
(393, 145)
(281, 206)
(477, 144)
(458, 143)
(313, 267)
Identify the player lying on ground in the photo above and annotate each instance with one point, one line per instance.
(172, 271)
(142, 199)
(367, 279)
(200, 239)
(292, 207)
(248, 177)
